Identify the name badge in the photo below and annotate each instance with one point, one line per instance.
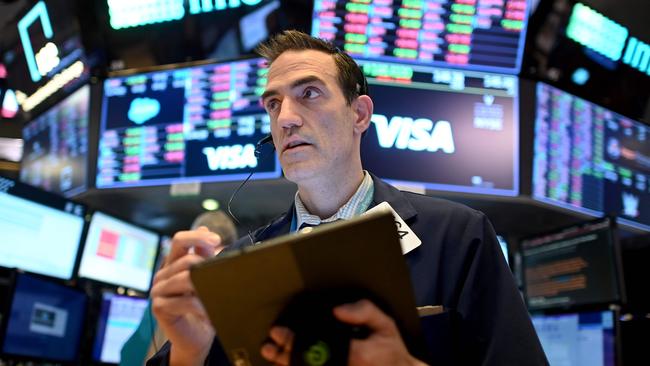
(407, 237)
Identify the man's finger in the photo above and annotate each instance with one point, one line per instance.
(179, 284)
(204, 243)
(364, 312)
(274, 354)
(182, 264)
(178, 306)
(282, 336)
(279, 351)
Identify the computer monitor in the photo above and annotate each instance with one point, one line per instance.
(590, 159)
(119, 253)
(45, 321)
(56, 146)
(41, 231)
(119, 318)
(579, 265)
(578, 339)
(443, 129)
(483, 35)
(198, 123)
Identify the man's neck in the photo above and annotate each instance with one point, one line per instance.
(325, 197)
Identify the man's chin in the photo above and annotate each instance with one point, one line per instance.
(298, 173)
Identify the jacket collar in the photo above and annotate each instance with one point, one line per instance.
(383, 192)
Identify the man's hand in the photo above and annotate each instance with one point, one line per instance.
(384, 345)
(174, 303)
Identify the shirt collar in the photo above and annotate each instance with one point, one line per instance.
(356, 205)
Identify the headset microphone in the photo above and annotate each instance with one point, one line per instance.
(265, 140)
(258, 152)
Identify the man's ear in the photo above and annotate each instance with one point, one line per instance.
(363, 108)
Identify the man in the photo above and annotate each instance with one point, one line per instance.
(316, 99)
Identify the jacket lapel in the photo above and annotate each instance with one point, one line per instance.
(390, 194)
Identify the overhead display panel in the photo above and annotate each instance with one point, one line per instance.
(443, 129)
(56, 146)
(197, 123)
(590, 159)
(483, 35)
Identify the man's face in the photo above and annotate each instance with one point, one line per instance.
(313, 127)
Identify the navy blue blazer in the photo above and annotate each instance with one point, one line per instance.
(460, 266)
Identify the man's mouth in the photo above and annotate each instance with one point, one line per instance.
(294, 144)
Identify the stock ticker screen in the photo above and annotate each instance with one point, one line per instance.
(196, 123)
(443, 129)
(485, 35)
(56, 146)
(574, 266)
(590, 159)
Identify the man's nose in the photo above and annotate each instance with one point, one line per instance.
(289, 115)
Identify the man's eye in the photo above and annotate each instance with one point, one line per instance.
(272, 105)
(310, 93)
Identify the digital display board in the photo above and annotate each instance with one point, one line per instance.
(590, 159)
(46, 320)
(119, 318)
(119, 253)
(443, 129)
(574, 266)
(196, 123)
(56, 146)
(485, 35)
(41, 232)
(578, 339)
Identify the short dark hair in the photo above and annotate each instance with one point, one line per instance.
(350, 77)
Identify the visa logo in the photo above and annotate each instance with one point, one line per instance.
(230, 157)
(417, 135)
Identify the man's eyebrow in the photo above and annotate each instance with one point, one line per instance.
(299, 82)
